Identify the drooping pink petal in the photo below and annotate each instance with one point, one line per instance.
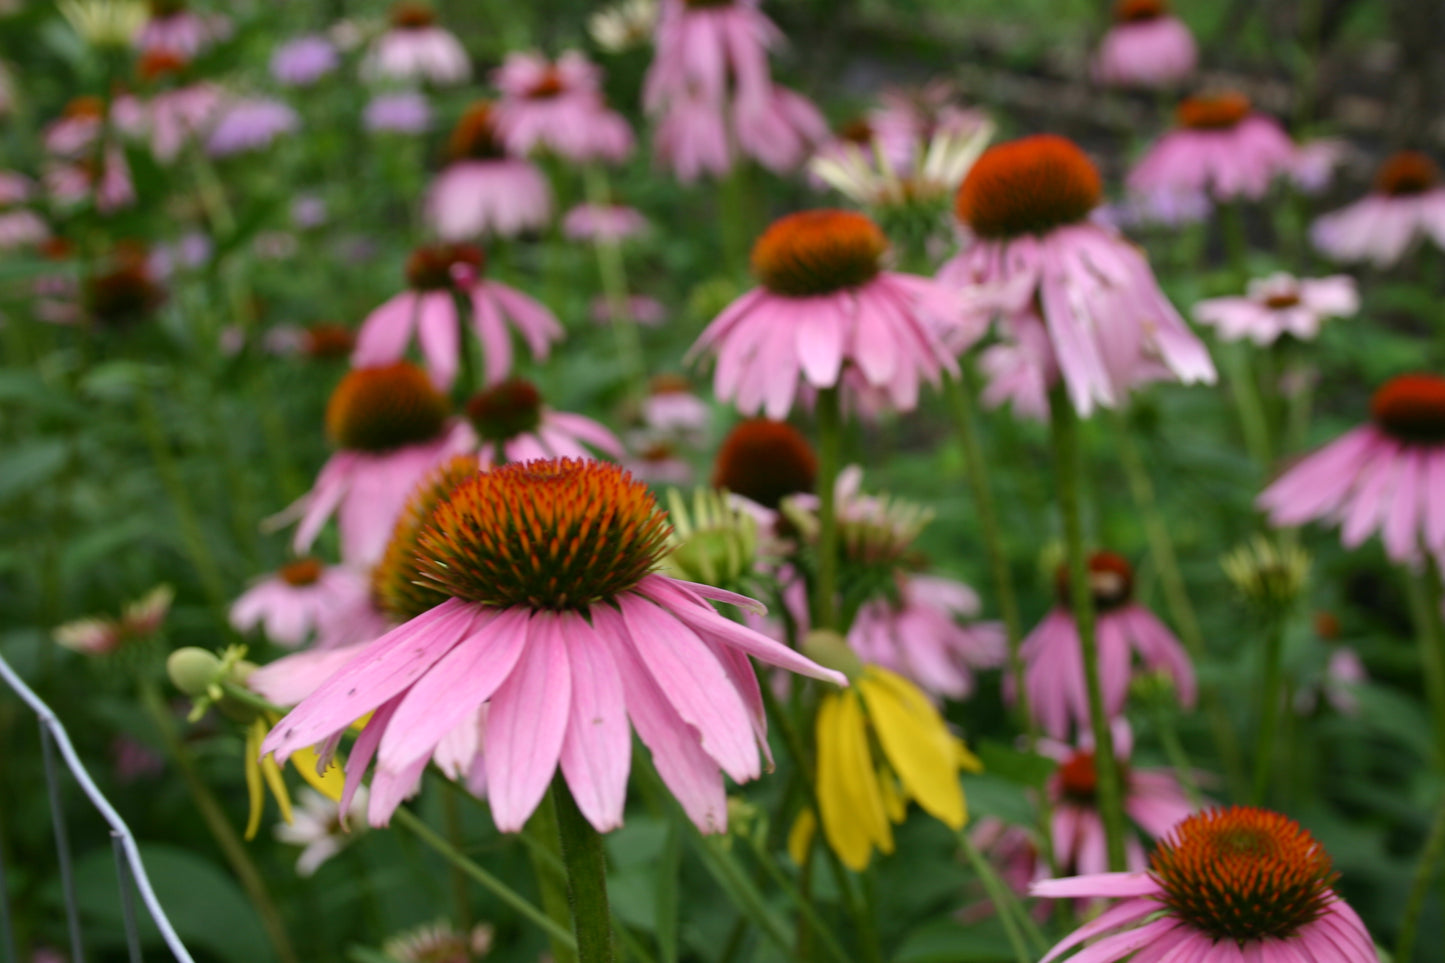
(597, 750)
(1099, 886)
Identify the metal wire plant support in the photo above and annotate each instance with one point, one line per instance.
(130, 871)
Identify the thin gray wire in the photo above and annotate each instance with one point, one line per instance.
(62, 846)
(97, 799)
(127, 900)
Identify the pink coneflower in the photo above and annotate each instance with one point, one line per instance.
(72, 133)
(19, 226)
(1157, 209)
(1033, 249)
(1146, 47)
(703, 46)
(250, 124)
(564, 644)
(1019, 369)
(826, 302)
(482, 190)
(603, 222)
(390, 427)
(672, 409)
(301, 599)
(415, 48)
(436, 276)
(175, 29)
(1278, 305)
(303, 60)
(1054, 661)
(918, 634)
(1386, 476)
(1407, 204)
(765, 461)
(655, 460)
(777, 127)
(1153, 799)
(638, 308)
(1315, 163)
(692, 138)
(406, 112)
(176, 112)
(905, 120)
(103, 635)
(1221, 146)
(558, 107)
(1230, 884)
(514, 425)
(107, 185)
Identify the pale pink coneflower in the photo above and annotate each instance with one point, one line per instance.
(1406, 205)
(72, 133)
(908, 118)
(404, 112)
(298, 601)
(558, 107)
(415, 48)
(321, 830)
(1030, 248)
(302, 61)
(482, 190)
(692, 138)
(390, 427)
(175, 117)
(826, 303)
(1387, 476)
(1166, 209)
(72, 184)
(1152, 799)
(603, 222)
(441, 942)
(103, 635)
(436, 276)
(637, 308)
(1227, 885)
(907, 174)
(707, 49)
(1315, 163)
(1279, 305)
(1221, 146)
(672, 409)
(513, 424)
(1146, 47)
(1019, 369)
(19, 226)
(174, 29)
(1054, 659)
(777, 127)
(252, 123)
(564, 647)
(654, 459)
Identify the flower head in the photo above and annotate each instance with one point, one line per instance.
(714, 541)
(416, 48)
(765, 461)
(440, 942)
(1220, 145)
(380, 409)
(1268, 575)
(1028, 186)
(1280, 305)
(139, 621)
(1406, 205)
(320, 828)
(1146, 47)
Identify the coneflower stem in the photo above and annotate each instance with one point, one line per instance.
(830, 444)
(1174, 751)
(1063, 432)
(1269, 695)
(545, 854)
(960, 399)
(452, 817)
(613, 272)
(1015, 919)
(586, 878)
(1430, 857)
(1423, 588)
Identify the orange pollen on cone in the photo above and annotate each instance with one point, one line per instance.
(506, 410)
(557, 534)
(1028, 186)
(1135, 11)
(1411, 408)
(84, 108)
(383, 408)
(818, 252)
(431, 267)
(765, 461)
(412, 16)
(160, 63)
(396, 583)
(1213, 112)
(328, 340)
(475, 135)
(1278, 302)
(669, 384)
(1111, 578)
(1243, 874)
(302, 572)
(549, 85)
(1406, 173)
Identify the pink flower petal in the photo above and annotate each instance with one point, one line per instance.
(597, 750)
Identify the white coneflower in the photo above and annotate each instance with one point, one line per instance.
(316, 826)
(104, 23)
(623, 26)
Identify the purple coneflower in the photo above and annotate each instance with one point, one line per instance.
(1222, 146)
(603, 222)
(1406, 205)
(303, 60)
(558, 107)
(1146, 47)
(302, 598)
(251, 123)
(415, 48)
(174, 29)
(1279, 305)
(514, 425)
(482, 190)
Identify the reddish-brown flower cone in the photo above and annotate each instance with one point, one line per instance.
(1411, 408)
(412, 16)
(1138, 11)
(506, 410)
(1079, 779)
(379, 409)
(819, 252)
(396, 581)
(433, 267)
(1213, 112)
(302, 572)
(328, 340)
(1405, 174)
(1243, 874)
(1028, 186)
(765, 461)
(1111, 578)
(475, 135)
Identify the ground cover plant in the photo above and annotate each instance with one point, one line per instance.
(706, 480)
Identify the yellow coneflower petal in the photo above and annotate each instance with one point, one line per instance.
(895, 804)
(272, 774)
(967, 761)
(254, 792)
(330, 783)
(851, 803)
(917, 743)
(800, 837)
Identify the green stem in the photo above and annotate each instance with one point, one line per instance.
(220, 827)
(805, 906)
(1252, 417)
(960, 398)
(613, 272)
(546, 858)
(1174, 750)
(586, 878)
(1269, 694)
(1063, 422)
(1423, 588)
(1430, 857)
(1015, 919)
(830, 443)
(437, 844)
(452, 817)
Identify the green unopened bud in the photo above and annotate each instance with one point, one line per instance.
(831, 651)
(193, 670)
(1154, 687)
(1269, 575)
(714, 542)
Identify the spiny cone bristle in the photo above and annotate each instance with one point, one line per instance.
(1028, 186)
(765, 461)
(1213, 111)
(554, 534)
(383, 408)
(1411, 408)
(1406, 173)
(475, 134)
(1110, 576)
(1243, 874)
(819, 252)
(396, 582)
(506, 410)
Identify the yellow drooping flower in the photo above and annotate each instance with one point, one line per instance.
(262, 774)
(881, 743)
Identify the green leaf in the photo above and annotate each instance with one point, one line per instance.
(947, 941)
(1025, 768)
(32, 464)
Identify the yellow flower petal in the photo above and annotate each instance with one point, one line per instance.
(252, 754)
(851, 803)
(330, 783)
(272, 774)
(800, 837)
(895, 804)
(917, 743)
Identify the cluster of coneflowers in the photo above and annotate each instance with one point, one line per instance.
(505, 598)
